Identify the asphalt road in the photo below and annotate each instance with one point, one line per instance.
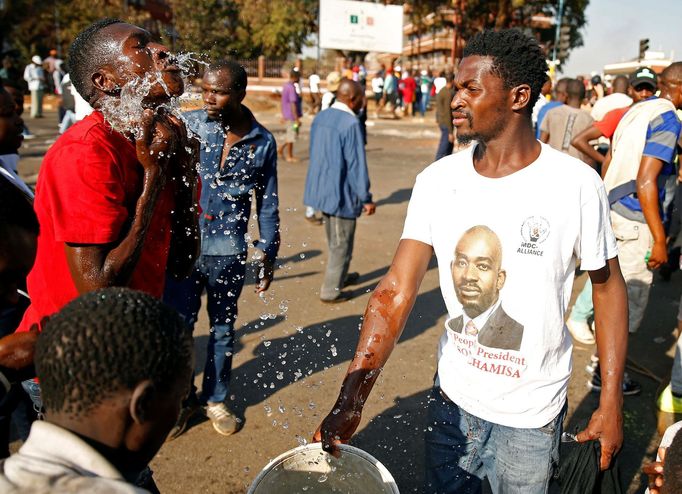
(292, 351)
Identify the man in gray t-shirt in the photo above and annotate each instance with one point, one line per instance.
(564, 122)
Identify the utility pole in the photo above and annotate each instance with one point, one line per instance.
(557, 36)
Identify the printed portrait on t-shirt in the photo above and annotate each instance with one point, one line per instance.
(478, 277)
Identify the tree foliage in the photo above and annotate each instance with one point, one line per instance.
(36, 26)
(238, 28)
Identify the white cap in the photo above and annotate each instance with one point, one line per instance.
(36, 60)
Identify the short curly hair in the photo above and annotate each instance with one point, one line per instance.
(517, 59)
(106, 341)
(87, 55)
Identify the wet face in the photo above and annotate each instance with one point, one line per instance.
(476, 271)
(219, 95)
(17, 254)
(138, 58)
(479, 107)
(11, 125)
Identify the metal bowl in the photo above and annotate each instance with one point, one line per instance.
(310, 470)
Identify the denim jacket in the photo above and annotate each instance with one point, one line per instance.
(250, 166)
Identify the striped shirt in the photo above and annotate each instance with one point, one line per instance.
(662, 134)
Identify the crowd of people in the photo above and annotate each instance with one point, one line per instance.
(102, 267)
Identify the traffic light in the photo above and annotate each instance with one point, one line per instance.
(643, 47)
(564, 41)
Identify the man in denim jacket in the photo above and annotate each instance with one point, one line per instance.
(238, 159)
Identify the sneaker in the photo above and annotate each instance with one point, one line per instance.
(592, 366)
(580, 331)
(341, 298)
(224, 421)
(189, 408)
(668, 402)
(314, 220)
(630, 387)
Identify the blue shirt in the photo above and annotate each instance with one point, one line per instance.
(542, 113)
(337, 182)
(662, 135)
(250, 167)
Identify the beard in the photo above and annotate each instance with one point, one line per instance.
(482, 136)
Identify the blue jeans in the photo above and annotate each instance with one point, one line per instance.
(223, 278)
(424, 103)
(462, 449)
(444, 145)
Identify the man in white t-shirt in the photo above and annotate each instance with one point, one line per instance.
(496, 409)
(315, 95)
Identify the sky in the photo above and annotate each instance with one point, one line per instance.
(614, 28)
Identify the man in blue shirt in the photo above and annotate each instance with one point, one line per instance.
(238, 160)
(559, 97)
(338, 182)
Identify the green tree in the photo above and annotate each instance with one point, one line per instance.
(36, 26)
(244, 28)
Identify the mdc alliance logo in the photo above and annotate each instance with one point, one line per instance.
(534, 231)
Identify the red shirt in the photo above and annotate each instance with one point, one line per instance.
(86, 193)
(608, 124)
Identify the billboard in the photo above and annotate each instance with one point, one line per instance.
(361, 26)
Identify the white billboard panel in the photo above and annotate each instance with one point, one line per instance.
(361, 26)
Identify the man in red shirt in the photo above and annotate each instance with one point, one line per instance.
(640, 89)
(115, 209)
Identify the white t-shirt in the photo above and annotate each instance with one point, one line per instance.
(378, 84)
(314, 82)
(513, 370)
(608, 103)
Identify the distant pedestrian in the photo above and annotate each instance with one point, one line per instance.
(315, 94)
(564, 122)
(337, 182)
(333, 80)
(34, 75)
(378, 90)
(444, 117)
(618, 98)
(291, 113)
(425, 83)
(408, 88)
(390, 91)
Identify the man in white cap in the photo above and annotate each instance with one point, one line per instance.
(34, 75)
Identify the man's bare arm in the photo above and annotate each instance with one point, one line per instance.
(647, 192)
(609, 296)
(99, 266)
(582, 143)
(383, 323)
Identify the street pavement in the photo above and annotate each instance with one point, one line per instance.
(292, 351)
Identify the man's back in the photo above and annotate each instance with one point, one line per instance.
(563, 123)
(337, 182)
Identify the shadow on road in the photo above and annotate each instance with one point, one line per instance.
(309, 350)
(396, 197)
